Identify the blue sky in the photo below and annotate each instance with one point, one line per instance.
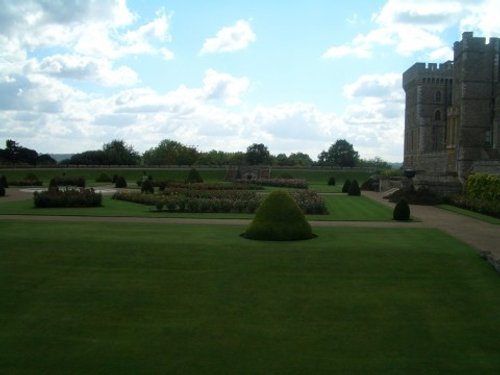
(294, 75)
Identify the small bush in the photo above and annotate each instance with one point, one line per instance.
(2, 191)
(148, 187)
(346, 186)
(67, 198)
(103, 177)
(279, 218)
(120, 182)
(354, 189)
(3, 182)
(331, 181)
(401, 211)
(372, 184)
(194, 177)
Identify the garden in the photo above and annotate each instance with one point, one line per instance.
(180, 298)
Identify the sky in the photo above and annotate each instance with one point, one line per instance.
(221, 74)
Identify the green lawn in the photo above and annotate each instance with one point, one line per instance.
(341, 207)
(80, 298)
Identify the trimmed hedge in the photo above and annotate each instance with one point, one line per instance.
(354, 189)
(279, 218)
(278, 182)
(331, 181)
(120, 182)
(401, 211)
(483, 187)
(3, 182)
(67, 198)
(194, 177)
(346, 186)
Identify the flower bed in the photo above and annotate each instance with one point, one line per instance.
(278, 182)
(67, 198)
(230, 201)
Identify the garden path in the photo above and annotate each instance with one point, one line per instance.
(482, 236)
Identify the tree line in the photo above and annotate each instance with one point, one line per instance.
(170, 152)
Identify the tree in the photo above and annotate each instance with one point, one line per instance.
(257, 154)
(117, 152)
(170, 152)
(340, 153)
(299, 158)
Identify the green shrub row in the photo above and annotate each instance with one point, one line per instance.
(194, 204)
(491, 208)
(483, 187)
(295, 183)
(67, 181)
(55, 197)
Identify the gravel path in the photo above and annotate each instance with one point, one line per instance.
(483, 237)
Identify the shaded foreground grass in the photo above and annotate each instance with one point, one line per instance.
(469, 213)
(184, 299)
(341, 207)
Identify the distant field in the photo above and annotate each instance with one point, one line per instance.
(80, 298)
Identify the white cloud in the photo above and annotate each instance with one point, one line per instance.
(83, 68)
(230, 39)
(224, 87)
(411, 26)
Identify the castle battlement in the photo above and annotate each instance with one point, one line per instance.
(470, 42)
(420, 71)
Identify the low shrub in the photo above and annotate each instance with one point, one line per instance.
(310, 202)
(331, 181)
(194, 177)
(148, 187)
(120, 182)
(103, 177)
(401, 211)
(67, 181)
(278, 182)
(279, 218)
(491, 208)
(26, 183)
(354, 189)
(2, 191)
(346, 186)
(55, 197)
(3, 182)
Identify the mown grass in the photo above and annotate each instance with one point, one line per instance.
(475, 215)
(341, 207)
(80, 298)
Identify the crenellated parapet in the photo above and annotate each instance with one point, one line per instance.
(428, 73)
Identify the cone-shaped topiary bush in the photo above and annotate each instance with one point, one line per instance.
(331, 181)
(3, 182)
(278, 218)
(401, 210)
(193, 177)
(120, 182)
(345, 187)
(354, 189)
(2, 191)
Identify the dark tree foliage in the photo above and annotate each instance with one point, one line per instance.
(258, 154)
(341, 153)
(170, 152)
(116, 152)
(17, 154)
(46, 159)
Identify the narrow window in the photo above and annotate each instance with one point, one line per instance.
(438, 97)
(437, 115)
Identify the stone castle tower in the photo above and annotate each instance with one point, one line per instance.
(452, 115)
